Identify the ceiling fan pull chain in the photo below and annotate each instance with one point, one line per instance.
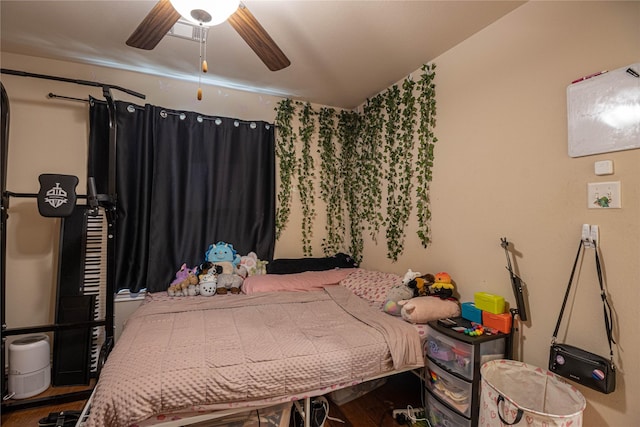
(205, 67)
(200, 66)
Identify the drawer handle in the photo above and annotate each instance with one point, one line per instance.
(518, 415)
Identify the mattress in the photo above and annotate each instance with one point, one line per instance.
(240, 351)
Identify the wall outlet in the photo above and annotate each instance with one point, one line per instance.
(603, 195)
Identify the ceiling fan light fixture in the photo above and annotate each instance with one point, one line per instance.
(205, 12)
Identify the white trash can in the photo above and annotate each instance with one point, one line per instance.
(514, 393)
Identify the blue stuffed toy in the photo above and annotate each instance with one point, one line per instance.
(224, 256)
(222, 252)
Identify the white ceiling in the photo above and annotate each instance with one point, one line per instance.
(341, 52)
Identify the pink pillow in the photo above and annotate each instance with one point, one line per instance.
(306, 281)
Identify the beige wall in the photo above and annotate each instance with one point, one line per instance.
(501, 169)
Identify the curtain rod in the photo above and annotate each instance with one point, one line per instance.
(164, 113)
(76, 81)
(68, 98)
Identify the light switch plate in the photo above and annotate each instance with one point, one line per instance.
(603, 195)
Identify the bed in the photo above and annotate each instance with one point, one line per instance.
(180, 359)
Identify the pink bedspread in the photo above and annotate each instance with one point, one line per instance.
(211, 353)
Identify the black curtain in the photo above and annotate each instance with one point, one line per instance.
(184, 181)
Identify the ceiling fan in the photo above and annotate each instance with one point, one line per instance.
(164, 16)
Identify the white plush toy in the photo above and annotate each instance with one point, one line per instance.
(428, 308)
(208, 283)
(253, 265)
(409, 276)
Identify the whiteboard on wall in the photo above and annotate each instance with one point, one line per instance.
(604, 112)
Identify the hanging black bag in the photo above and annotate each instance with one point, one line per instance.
(579, 365)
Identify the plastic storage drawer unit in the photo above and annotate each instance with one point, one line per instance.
(454, 355)
(452, 372)
(450, 389)
(441, 416)
(458, 356)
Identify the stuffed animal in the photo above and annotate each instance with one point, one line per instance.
(442, 286)
(205, 267)
(422, 285)
(193, 285)
(221, 252)
(224, 255)
(428, 308)
(253, 265)
(409, 276)
(403, 291)
(395, 294)
(185, 283)
(229, 278)
(229, 282)
(208, 283)
(224, 267)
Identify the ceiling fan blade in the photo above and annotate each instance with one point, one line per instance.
(257, 38)
(154, 26)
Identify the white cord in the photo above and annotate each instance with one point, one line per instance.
(412, 414)
(325, 404)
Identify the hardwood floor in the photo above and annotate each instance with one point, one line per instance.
(374, 409)
(30, 417)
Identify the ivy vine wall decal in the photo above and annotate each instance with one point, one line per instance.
(286, 155)
(363, 157)
(306, 176)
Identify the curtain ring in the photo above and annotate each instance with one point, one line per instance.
(218, 121)
(131, 108)
(236, 123)
(163, 114)
(199, 119)
(267, 126)
(252, 125)
(183, 116)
